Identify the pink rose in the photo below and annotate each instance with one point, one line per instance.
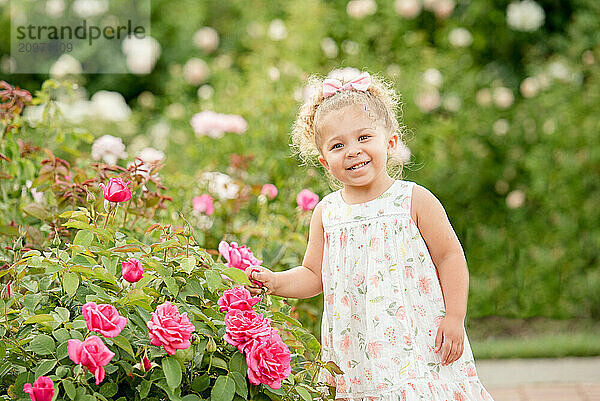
(103, 319)
(132, 270)
(238, 256)
(237, 298)
(169, 328)
(146, 363)
(269, 190)
(42, 389)
(307, 200)
(203, 204)
(268, 361)
(116, 190)
(91, 353)
(245, 326)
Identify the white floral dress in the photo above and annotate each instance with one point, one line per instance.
(383, 304)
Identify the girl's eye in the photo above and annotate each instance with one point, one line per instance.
(363, 136)
(336, 146)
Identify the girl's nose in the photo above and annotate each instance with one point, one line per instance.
(353, 152)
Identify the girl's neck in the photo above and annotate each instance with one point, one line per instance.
(360, 194)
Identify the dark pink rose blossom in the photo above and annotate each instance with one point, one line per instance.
(238, 256)
(42, 389)
(169, 328)
(268, 361)
(203, 204)
(103, 319)
(245, 326)
(132, 270)
(237, 298)
(116, 190)
(146, 364)
(307, 200)
(91, 353)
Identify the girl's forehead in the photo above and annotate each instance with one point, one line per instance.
(352, 114)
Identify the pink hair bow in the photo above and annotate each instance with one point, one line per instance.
(360, 83)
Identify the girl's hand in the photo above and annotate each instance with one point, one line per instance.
(450, 339)
(264, 280)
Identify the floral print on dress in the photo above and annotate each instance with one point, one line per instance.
(383, 306)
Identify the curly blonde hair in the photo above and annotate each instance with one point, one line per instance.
(380, 100)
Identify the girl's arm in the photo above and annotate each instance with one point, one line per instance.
(301, 281)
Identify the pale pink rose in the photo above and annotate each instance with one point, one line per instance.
(243, 327)
(203, 204)
(268, 361)
(269, 190)
(116, 190)
(103, 319)
(42, 389)
(237, 256)
(307, 200)
(91, 353)
(237, 298)
(425, 285)
(169, 328)
(216, 125)
(132, 270)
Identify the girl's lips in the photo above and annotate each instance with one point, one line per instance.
(358, 168)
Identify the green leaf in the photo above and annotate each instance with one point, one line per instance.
(304, 393)
(241, 387)
(213, 280)
(237, 275)
(102, 274)
(38, 211)
(42, 344)
(144, 388)
(63, 313)
(69, 389)
(83, 238)
(44, 367)
(219, 363)
(188, 264)
(223, 390)
(109, 389)
(39, 319)
(201, 383)
(70, 283)
(2, 349)
(124, 344)
(172, 371)
(171, 285)
(286, 318)
(237, 363)
(191, 397)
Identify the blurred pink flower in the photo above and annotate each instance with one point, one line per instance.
(216, 125)
(238, 256)
(307, 200)
(103, 319)
(116, 190)
(268, 361)
(203, 204)
(237, 298)
(132, 270)
(42, 389)
(269, 190)
(91, 353)
(170, 329)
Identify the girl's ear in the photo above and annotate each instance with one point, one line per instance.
(324, 162)
(392, 144)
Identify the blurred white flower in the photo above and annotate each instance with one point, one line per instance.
(460, 37)
(55, 8)
(484, 97)
(529, 87)
(141, 54)
(344, 74)
(526, 16)
(109, 106)
(350, 47)
(33, 115)
(203, 222)
(65, 65)
(429, 4)
(429, 100)
(38, 197)
(195, 71)
(361, 8)
(220, 184)
(147, 99)
(451, 102)
(501, 127)
(90, 8)
(175, 111)
(159, 133)
(443, 8)
(273, 73)
(216, 125)
(433, 77)
(151, 156)
(255, 30)
(329, 47)
(515, 199)
(207, 39)
(277, 30)
(402, 152)
(503, 97)
(78, 111)
(205, 92)
(407, 8)
(558, 69)
(108, 148)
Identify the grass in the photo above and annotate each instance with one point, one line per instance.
(496, 337)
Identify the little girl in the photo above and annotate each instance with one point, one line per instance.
(384, 254)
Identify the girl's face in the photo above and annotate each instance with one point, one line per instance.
(354, 149)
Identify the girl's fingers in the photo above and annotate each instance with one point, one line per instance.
(446, 348)
(438, 340)
(451, 354)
